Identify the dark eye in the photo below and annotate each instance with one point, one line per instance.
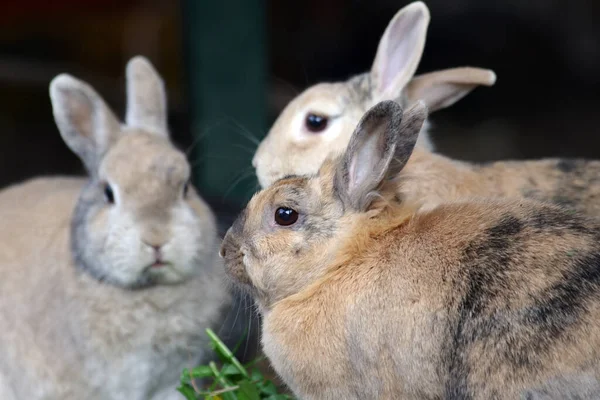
(108, 194)
(316, 123)
(186, 188)
(285, 216)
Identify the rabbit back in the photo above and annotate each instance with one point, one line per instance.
(570, 183)
(481, 300)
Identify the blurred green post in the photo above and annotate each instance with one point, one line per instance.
(226, 65)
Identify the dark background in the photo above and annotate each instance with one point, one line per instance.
(546, 55)
(231, 67)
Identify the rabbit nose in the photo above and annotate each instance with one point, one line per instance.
(222, 251)
(155, 245)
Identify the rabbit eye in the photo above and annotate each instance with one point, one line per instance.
(316, 123)
(285, 216)
(109, 194)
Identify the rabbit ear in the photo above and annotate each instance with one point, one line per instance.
(400, 50)
(406, 137)
(368, 155)
(443, 88)
(146, 97)
(85, 122)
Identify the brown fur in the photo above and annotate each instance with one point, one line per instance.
(479, 299)
(433, 179)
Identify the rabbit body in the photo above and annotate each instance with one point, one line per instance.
(108, 283)
(366, 295)
(472, 301)
(68, 336)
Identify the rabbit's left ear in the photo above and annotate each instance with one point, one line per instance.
(146, 97)
(441, 89)
(368, 155)
(378, 150)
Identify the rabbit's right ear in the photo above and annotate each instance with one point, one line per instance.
(85, 122)
(146, 97)
(399, 51)
(365, 163)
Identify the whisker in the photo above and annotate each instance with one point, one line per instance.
(245, 132)
(229, 313)
(203, 133)
(250, 151)
(288, 84)
(250, 315)
(258, 333)
(245, 175)
(237, 314)
(211, 156)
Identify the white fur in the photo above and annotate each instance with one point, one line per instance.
(75, 325)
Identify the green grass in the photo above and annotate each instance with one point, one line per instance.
(228, 379)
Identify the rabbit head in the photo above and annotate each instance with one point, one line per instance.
(320, 121)
(289, 233)
(138, 220)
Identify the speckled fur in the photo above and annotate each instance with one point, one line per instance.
(83, 315)
(478, 299)
(432, 179)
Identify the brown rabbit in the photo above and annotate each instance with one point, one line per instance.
(319, 122)
(365, 296)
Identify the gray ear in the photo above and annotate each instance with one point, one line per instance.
(364, 165)
(146, 97)
(399, 51)
(407, 136)
(85, 122)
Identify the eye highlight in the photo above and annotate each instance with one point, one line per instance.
(109, 195)
(316, 123)
(285, 216)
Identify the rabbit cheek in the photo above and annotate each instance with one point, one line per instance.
(107, 247)
(236, 270)
(192, 242)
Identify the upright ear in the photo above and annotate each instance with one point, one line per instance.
(400, 50)
(85, 122)
(146, 97)
(443, 88)
(364, 165)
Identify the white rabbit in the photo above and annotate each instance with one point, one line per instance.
(108, 283)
